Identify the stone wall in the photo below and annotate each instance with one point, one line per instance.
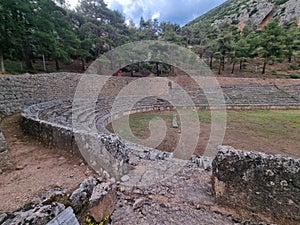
(51, 135)
(17, 92)
(2, 142)
(51, 124)
(5, 162)
(258, 182)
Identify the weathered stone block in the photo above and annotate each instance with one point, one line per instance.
(5, 161)
(103, 200)
(34, 215)
(65, 217)
(96, 197)
(257, 182)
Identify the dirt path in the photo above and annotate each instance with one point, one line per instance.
(37, 168)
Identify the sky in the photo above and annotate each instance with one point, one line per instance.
(175, 11)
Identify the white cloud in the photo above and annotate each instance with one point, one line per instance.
(72, 3)
(179, 11)
(155, 15)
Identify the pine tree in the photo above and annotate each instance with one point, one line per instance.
(13, 28)
(271, 44)
(292, 41)
(240, 51)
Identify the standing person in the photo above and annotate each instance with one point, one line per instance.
(119, 74)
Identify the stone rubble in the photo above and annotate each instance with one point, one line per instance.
(34, 215)
(65, 217)
(51, 208)
(182, 198)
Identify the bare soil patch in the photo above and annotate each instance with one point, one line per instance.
(37, 169)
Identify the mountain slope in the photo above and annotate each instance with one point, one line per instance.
(252, 12)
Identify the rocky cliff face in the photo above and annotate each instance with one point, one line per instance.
(255, 12)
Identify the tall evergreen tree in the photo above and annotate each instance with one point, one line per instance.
(292, 41)
(271, 44)
(13, 28)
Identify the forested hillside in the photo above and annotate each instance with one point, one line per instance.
(239, 31)
(46, 30)
(251, 12)
(36, 34)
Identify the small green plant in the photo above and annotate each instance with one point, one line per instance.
(204, 116)
(235, 22)
(91, 221)
(294, 67)
(295, 76)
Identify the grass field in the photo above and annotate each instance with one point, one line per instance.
(270, 131)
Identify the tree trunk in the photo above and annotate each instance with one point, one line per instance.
(57, 64)
(27, 56)
(233, 66)
(290, 58)
(211, 62)
(220, 67)
(241, 64)
(44, 63)
(28, 64)
(157, 70)
(2, 62)
(82, 64)
(131, 70)
(223, 63)
(21, 66)
(264, 68)
(139, 67)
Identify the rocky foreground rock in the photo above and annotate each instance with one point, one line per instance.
(186, 197)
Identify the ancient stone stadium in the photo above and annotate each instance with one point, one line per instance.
(243, 188)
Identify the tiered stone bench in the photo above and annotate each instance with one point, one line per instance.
(58, 113)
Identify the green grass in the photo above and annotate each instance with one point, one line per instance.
(295, 76)
(264, 116)
(139, 124)
(268, 122)
(264, 123)
(204, 116)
